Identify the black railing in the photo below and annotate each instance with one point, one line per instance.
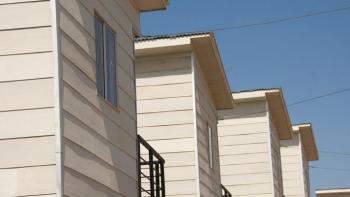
(225, 192)
(151, 171)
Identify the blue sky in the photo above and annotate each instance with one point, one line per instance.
(307, 58)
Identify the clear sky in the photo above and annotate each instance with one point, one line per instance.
(307, 58)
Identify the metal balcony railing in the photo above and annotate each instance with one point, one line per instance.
(151, 171)
(225, 192)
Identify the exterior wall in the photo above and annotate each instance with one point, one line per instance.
(245, 157)
(306, 177)
(292, 166)
(96, 134)
(276, 161)
(165, 117)
(210, 183)
(27, 137)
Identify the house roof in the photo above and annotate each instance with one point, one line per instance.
(277, 107)
(150, 5)
(333, 191)
(307, 137)
(204, 46)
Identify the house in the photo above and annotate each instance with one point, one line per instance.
(68, 98)
(341, 192)
(296, 154)
(249, 141)
(181, 84)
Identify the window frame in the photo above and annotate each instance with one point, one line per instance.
(106, 28)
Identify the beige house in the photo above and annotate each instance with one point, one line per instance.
(333, 192)
(249, 139)
(67, 97)
(180, 86)
(296, 154)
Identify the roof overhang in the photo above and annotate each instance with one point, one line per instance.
(277, 108)
(332, 191)
(205, 48)
(308, 140)
(150, 5)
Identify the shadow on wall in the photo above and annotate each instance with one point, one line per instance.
(99, 140)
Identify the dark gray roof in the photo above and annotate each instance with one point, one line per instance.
(169, 36)
(254, 90)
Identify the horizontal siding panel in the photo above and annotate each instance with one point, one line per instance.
(291, 159)
(27, 152)
(166, 132)
(165, 118)
(28, 181)
(77, 33)
(108, 131)
(16, 1)
(25, 41)
(89, 114)
(180, 173)
(173, 145)
(181, 187)
(243, 159)
(291, 167)
(258, 190)
(244, 149)
(293, 191)
(243, 129)
(179, 159)
(254, 168)
(163, 63)
(26, 66)
(243, 139)
(98, 170)
(80, 82)
(26, 94)
(164, 91)
(36, 122)
(164, 77)
(246, 179)
(122, 159)
(163, 105)
(25, 15)
(87, 187)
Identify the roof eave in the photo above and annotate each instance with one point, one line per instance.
(309, 142)
(151, 5)
(279, 113)
(210, 62)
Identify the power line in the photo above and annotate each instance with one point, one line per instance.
(280, 20)
(318, 97)
(333, 169)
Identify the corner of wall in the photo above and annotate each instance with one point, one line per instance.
(57, 96)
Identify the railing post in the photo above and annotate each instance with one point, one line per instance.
(139, 166)
(151, 172)
(162, 178)
(157, 180)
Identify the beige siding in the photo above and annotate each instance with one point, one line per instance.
(276, 161)
(95, 133)
(292, 167)
(245, 156)
(27, 140)
(210, 183)
(165, 117)
(306, 175)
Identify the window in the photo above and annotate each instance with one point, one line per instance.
(106, 71)
(210, 146)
